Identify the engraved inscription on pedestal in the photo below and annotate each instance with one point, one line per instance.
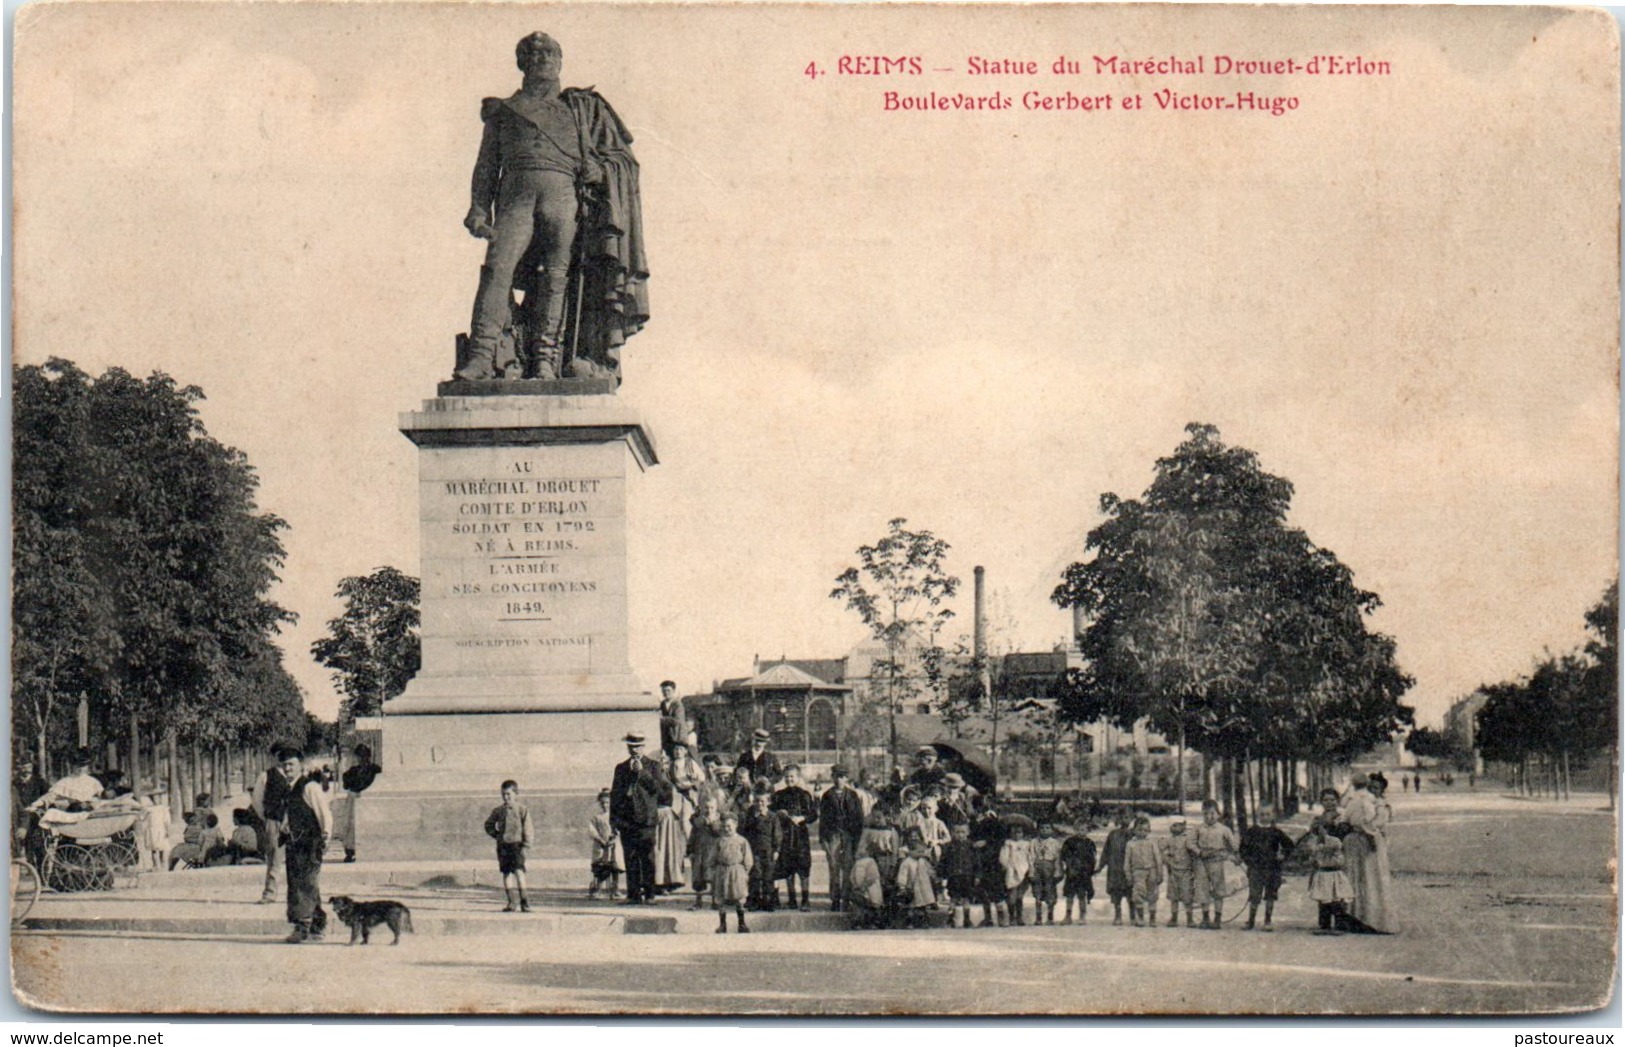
(524, 564)
(524, 558)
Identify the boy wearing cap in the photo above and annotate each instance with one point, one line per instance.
(763, 828)
(1046, 873)
(1185, 887)
(959, 868)
(673, 724)
(1143, 860)
(1118, 887)
(1264, 851)
(1215, 846)
(955, 805)
(606, 865)
(1078, 863)
(509, 825)
(840, 823)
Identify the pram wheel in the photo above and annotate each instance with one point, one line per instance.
(76, 867)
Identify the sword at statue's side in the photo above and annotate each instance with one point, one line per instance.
(583, 206)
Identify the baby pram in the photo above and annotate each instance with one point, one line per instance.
(84, 849)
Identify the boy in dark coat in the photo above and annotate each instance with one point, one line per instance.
(988, 833)
(1078, 865)
(840, 824)
(959, 868)
(1264, 851)
(1114, 857)
(763, 828)
(800, 813)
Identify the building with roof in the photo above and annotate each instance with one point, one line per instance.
(822, 711)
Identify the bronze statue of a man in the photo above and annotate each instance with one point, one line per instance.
(555, 191)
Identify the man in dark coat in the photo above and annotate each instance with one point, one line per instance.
(639, 789)
(757, 763)
(840, 823)
(357, 780)
(306, 828)
(270, 798)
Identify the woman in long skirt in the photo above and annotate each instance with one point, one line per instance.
(672, 822)
(1365, 855)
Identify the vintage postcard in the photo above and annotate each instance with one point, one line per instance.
(1021, 509)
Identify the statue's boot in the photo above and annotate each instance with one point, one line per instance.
(545, 347)
(492, 305)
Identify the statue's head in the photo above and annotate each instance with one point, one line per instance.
(538, 48)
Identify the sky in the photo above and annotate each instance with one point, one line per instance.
(1403, 295)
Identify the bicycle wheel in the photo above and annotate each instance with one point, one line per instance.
(25, 888)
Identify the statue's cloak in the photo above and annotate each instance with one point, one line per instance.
(608, 263)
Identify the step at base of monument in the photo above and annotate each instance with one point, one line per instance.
(474, 925)
(450, 826)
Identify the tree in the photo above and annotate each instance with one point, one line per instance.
(898, 589)
(1223, 627)
(1599, 695)
(1425, 743)
(62, 620)
(373, 647)
(1561, 713)
(142, 563)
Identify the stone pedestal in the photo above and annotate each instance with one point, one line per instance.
(525, 675)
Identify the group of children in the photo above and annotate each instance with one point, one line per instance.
(992, 863)
(204, 844)
(909, 863)
(1198, 868)
(903, 873)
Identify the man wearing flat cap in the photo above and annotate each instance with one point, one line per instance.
(956, 805)
(639, 789)
(928, 769)
(757, 763)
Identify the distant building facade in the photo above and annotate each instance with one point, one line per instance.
(822, 711)
(1461, 726)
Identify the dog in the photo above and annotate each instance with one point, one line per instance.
(362, 917)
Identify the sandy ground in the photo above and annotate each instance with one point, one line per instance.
(1509, 906)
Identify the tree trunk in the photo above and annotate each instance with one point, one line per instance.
(135, 753)
(1568, 782)
(1613, 772)
(1239, 809)
(1180, 770)
(172, 744)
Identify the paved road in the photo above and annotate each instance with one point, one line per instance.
(1508, 907)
